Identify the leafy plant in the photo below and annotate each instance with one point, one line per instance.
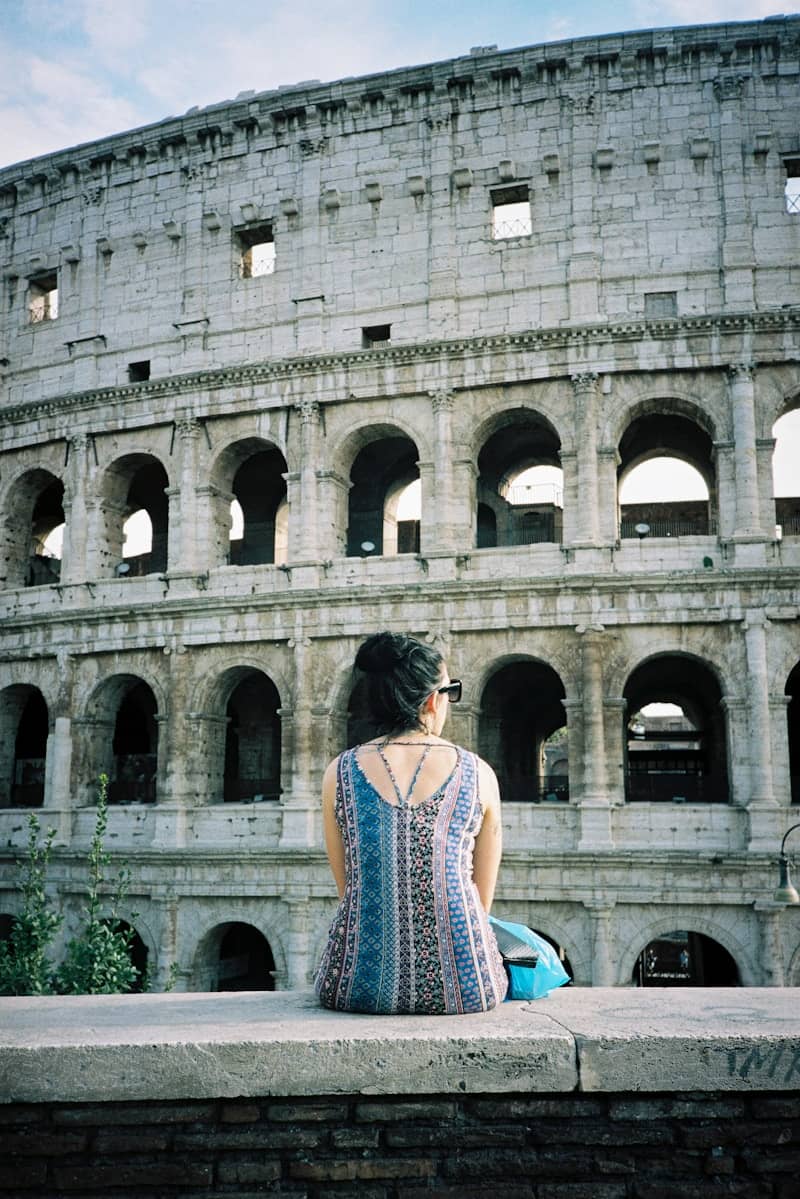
(24, 965)
(98, 961)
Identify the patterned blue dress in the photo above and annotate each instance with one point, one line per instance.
(410, 934)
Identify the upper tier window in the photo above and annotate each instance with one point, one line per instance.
(511, 212)
(257, 251)
(43, 298)
(792, 189)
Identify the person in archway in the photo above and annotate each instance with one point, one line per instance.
(413, 834)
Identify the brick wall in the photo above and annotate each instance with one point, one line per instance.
(611, 1146)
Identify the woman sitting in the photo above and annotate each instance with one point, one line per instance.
(412, 829)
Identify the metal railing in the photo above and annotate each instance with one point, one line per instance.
(700, 526)
(138, 791)
(674, 787)
(251, 790)
(789, 527)
(553, 790)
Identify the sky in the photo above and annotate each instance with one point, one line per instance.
(72, 71)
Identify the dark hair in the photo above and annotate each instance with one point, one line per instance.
(399, 674)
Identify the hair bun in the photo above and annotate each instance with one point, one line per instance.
(382, 652)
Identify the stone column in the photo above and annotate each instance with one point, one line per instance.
(303, 545)
(602, 964)
(78, 479)
(615, 709)
(166, 967)
(299, 801)
(443, 530)
(570, 523)
(607, 499)
(587, 520)
(575, 742)
(595, 810)
(58, 767)
(755, 634)
(332, 492)
(184, 526)
(298, 964)
(769, 921)
(742, 393)
(725, 471)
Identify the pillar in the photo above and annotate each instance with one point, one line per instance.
(760, 738)
(607, 499)
(298, 965)
(184, 527)
(587, 521)
(595, 810)
(77, 482)
(600, 924)
(769, 917)
(303, 545)
(725, 471)
(299, 800)
(448, 491)
(57, 777)
(742, 393)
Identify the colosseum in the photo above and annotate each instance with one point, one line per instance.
(391, 352)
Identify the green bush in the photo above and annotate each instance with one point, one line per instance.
(25, 968)
(96, 962)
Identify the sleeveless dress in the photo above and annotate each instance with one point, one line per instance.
(410, 934)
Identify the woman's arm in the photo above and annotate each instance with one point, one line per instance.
(333, 836)
(489, 841)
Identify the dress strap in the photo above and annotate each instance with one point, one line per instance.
(401, 802)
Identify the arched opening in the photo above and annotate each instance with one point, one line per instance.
(786, 488)
(30, 554)
(138, 953)
(380, 475)
(259, 488)
(521, 711)
(666, 480)
(137, 516)
(675, 733)
(234, 957)
(44, 565)
(520, 483)
(685, 959)
(793, 721)
(24, 727)
(252, 770)
(131, 765)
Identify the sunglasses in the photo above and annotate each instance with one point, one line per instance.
(452, 691)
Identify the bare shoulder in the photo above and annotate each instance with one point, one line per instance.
(329, 778)
(487, 786)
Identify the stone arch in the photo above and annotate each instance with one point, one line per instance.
(687, 758)
(512, 441)
(24, 728)
(690, 920)
(205, 951)
(361, 433)
(32, 507)
(135, 481)
(787, 507)
(251, 471)
(121, 738)
(692, 408)
(239, 746)
(520, 709)
(380, 459)
(669, 430)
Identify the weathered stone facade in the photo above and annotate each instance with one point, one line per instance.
(150, 359)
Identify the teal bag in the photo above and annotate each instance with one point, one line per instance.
(546, 976)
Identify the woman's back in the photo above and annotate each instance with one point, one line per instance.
(410, 934)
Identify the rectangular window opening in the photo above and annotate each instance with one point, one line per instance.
(139, 372)
(660, 303)
(511, 212)
(256, 251)
(792, 187)
(43, 298)
(373, 335)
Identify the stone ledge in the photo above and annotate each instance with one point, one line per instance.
(193, 1046)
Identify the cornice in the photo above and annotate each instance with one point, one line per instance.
(784, 320)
